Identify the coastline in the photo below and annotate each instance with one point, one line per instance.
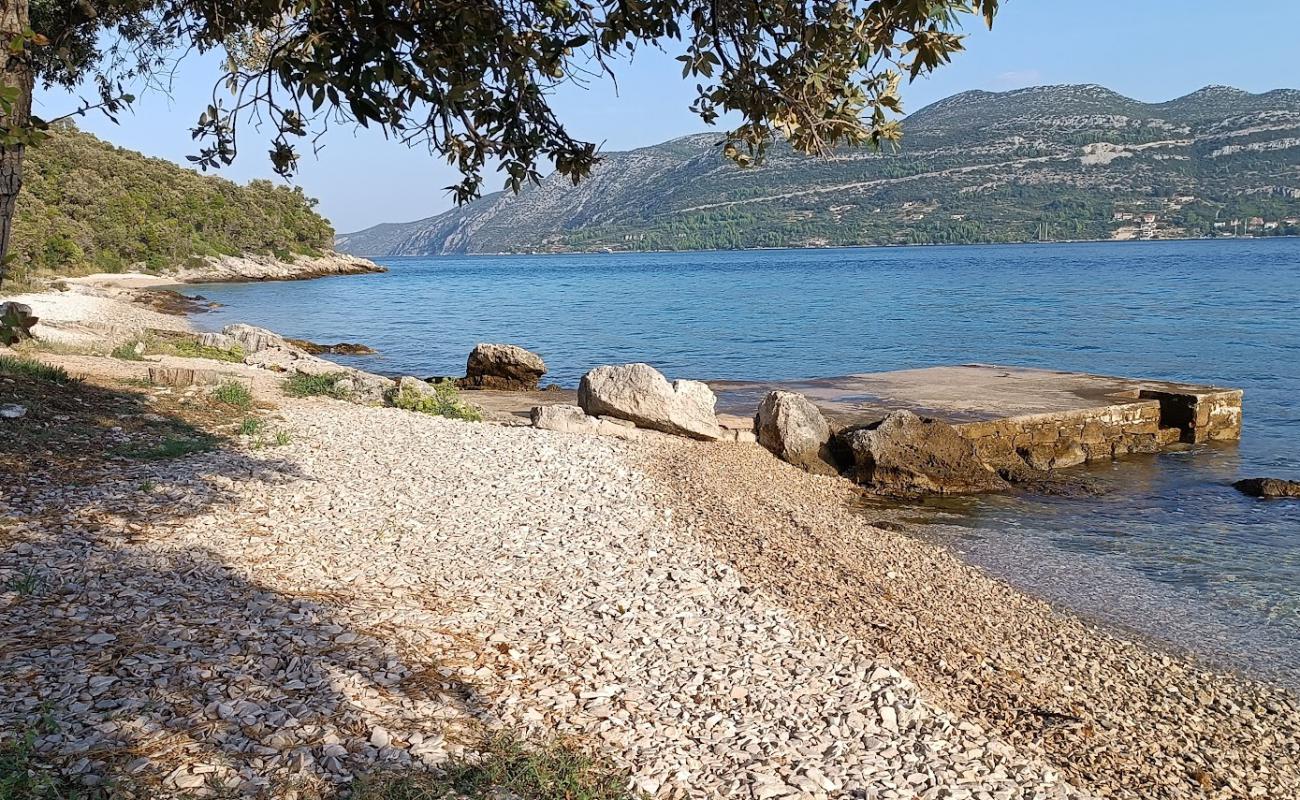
(1183, 239)
(665, 603)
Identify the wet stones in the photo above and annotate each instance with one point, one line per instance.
(503, 366)
(905, 455)
(1268, 488)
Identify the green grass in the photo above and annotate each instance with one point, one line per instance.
(282, 438)
(300, 385)
(190, 348)
(251, 426)
(170, 447)
(17, 366)
(24, 583)
(508, 768)
(127, 352)
(147, 485)
(443, 401)
(233, 394)
(22, 777)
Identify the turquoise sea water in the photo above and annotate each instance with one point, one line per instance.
(1172, 552)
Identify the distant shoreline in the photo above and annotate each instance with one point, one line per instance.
(846, 247)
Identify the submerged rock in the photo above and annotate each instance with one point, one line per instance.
(640, 394)
(340, 349)
(907, 456)
(1268, 488)
(788, 424)
(503, 366)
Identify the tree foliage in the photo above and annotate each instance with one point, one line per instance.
(473, 82)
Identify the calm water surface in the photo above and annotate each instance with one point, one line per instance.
(1173, 552)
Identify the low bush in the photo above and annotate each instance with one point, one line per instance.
(234, 394)
(300, 385)
(128, 351)
(443, 401)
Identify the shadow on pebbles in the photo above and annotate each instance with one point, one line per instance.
(389, 586)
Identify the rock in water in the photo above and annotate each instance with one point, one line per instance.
(905, 455)
(794, 429)
(1268, 488)
(639, 394)
(503, 366)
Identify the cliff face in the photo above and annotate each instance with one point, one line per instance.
(1053, 162)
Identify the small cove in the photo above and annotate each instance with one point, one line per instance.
(1172, 551)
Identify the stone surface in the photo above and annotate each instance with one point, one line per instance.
(640, 394)
(220, 341)
(185, 376)
(788, 424)
(1268, 488)
(564, 418)
(572, 419)
(12, 411)
(905, 455)
(16, 322)
(254, 339)
(503, 366)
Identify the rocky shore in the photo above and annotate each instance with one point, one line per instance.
(372, 589)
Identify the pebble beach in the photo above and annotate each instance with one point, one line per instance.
(384, 588)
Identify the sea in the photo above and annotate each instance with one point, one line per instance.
(1169, 553)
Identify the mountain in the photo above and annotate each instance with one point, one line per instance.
(87, 205)
(1049, 162)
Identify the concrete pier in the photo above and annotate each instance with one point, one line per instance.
(1045, 418)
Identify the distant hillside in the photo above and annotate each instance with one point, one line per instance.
(87, 205)
(1052, 162)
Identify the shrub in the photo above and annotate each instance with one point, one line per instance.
(16, 366)
(443, 401)
(127, 351)
(300, 385)
(233, 394)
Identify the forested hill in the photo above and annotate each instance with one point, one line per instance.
(1053, 162)
(87, 205)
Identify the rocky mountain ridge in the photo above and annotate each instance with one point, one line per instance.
(1042, 163)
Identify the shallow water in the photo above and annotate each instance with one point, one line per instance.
(1173, 552)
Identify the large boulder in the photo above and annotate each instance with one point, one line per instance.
(503, 366)
(16, 322)
(639, 394)
(907, 456)
(1268, 488)
(788, 424)
(253, 339)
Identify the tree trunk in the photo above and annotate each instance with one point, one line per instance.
(17, 74)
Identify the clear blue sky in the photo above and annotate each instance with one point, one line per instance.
(1151, 50)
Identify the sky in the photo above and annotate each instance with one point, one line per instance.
(1151, 50)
